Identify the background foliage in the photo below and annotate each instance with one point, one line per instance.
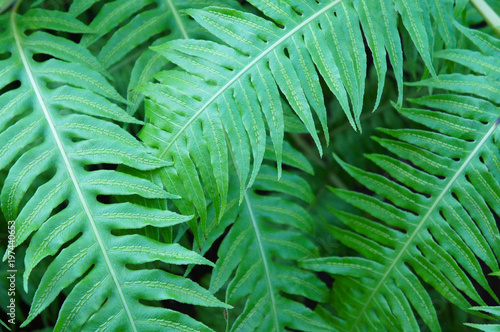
(251, 165)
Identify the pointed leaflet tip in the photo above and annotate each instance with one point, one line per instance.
(360, 127)
(1, 322)
(279, 163)
(338, 160)
(396, 106)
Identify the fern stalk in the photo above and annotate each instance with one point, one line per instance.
(489, 15)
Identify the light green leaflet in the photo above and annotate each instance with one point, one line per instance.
(4, 4)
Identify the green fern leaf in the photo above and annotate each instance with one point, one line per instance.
(482, 86)
(55, 120)
(235, 91)
(475, 61)
(233, 261)
(442, 10)
(4, 325)
(436, 217)
(79, 6)
(259, 257)
(215, 229)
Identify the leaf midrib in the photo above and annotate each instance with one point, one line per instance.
(258, 236)
(424, 220)
(66, 160)
(178, 19)
(247, 68)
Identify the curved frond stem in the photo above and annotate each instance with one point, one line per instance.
(423, 222)
(178, 19)
(246, 69)
(488, 14)
(67, 163)
(261, 248)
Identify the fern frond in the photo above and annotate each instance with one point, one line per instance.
(435, 217)
(495, 311)
(284, 193)
(236, 90)
(55, 129)
(259, 256)
(292, 159)
(131, 26)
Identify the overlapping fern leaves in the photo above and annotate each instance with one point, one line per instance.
(82, 189)
(235, 90)
(495, 312)
(259, 256)
(263, 240)
(435, 215)
(56, 133)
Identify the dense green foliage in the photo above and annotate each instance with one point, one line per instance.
(260, 165)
